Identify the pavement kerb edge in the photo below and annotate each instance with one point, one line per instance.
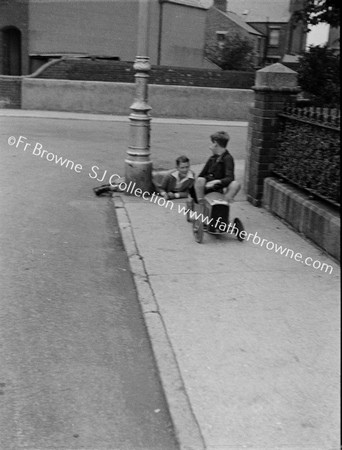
(186, 427)
(69, 115)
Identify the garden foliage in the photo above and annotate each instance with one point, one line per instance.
(319, 76)
(235, 54)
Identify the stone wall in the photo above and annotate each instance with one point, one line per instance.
(116, 98)
(274, 85)
(10, 92)
(318, 222)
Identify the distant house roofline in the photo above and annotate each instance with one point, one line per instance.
(240, 22)
(261, 11)
(199, 4)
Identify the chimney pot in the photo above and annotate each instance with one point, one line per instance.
(221, 5)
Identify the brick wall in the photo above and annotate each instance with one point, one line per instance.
(264, 126)
(216, 21)
(274, 85)
(123, 72)
(10, 92)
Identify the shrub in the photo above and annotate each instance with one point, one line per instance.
(319, 76)
(235, 54)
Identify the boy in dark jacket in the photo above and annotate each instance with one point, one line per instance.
(178, 183)
(218, 172)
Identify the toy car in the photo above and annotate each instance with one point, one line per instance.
(212, 217)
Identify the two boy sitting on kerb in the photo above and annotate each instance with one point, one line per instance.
(217, 175)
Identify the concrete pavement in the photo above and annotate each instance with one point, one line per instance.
(255, 334)
(245, 339)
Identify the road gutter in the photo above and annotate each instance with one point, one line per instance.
(186, 427)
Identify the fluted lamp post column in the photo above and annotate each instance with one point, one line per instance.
(138, 167)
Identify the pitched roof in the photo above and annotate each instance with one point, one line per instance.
(202, 4)
(261, 10)
(240, 22)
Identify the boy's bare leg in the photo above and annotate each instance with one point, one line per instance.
(200, 188)
(232, 190)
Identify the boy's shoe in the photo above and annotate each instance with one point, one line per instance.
(105, 189)
(203, 210)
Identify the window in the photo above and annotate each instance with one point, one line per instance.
(274, 36)
(221, 37)
(258, 45)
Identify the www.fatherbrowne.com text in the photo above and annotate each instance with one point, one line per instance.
(130, 188)
(256, 239)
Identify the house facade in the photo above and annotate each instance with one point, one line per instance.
(222, 23)
(275, 20)
(14, 37)
(270, 24)
(34, 31)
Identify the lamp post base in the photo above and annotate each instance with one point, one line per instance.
(138, 167)
(140, 173)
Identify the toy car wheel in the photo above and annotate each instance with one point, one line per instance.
(197, 229)
(190, 206)
(239, 226)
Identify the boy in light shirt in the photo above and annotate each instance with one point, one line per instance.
(178, 183)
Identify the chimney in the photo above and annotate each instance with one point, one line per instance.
(221, 5)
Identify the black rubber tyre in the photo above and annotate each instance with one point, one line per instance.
(239, 225)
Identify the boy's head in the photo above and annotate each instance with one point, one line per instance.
(220, 140)
(183, 164)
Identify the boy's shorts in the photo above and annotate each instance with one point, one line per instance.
(192, 191)
(214, 189)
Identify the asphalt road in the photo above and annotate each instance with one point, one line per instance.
(76, 366)
(104, 143)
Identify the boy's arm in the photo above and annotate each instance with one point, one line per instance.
(228, 171)
(181, 194)
(185, 192)
(204, 171)
(164, 185)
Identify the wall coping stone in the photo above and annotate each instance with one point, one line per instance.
(45, 66)
(11, 77)
(27, 79)
(296, 209)
(276, 68)
(291, 90)
(276, 76)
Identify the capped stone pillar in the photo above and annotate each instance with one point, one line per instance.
(274, 85)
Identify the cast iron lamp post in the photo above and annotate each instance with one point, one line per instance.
(138, 167)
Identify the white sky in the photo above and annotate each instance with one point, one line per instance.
(318, 34)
